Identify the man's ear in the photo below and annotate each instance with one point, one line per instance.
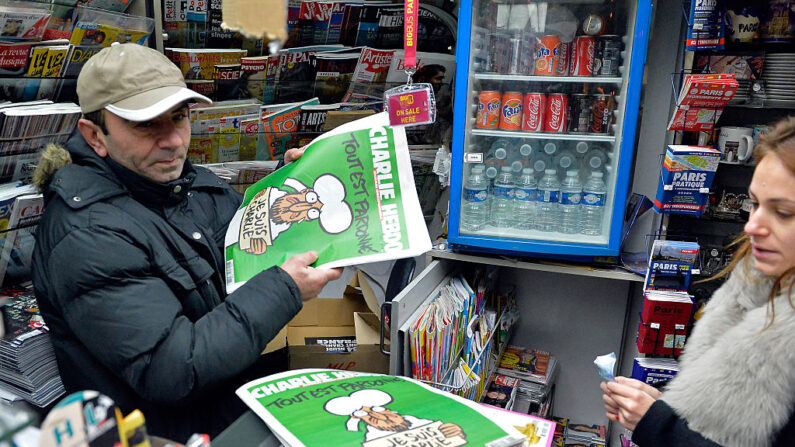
(93, 136)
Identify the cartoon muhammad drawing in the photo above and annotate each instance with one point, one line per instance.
(368, 406)
(273, 211)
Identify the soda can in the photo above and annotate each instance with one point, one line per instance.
(533, 109)
(511, 111)
(563, 67)
(515, 66)
(488, 110)
(582, 56)
(581, 113)
(547, 54)
(499, 52)
(607, 56)
(557, 113)
(601, 113)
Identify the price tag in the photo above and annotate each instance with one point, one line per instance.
(410, 105)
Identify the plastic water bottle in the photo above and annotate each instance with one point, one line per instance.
(540, 162)
(475, 209)
(595, 159)
(550, 148)
(570, 197)
(502, 199)
(565, 161)
(581, 148)
(548, 200)
(594, 196)
(525, 200)
(515, 160)
(496, 158)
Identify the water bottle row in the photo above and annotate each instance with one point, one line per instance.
(562, 156)
(548, 205)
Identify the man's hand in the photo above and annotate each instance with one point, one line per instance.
(627, 400)
(309, 279)
(293, 154)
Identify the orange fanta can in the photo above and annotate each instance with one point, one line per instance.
(547, 55)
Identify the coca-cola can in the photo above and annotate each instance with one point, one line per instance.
(582, 56)
(557, 113)
(533, 111)
(608, 56)
(601, 113)
(563, 68)
(580, 113)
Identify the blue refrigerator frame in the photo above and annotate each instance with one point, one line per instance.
(544, 248)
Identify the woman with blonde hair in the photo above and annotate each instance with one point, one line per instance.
(736, 385)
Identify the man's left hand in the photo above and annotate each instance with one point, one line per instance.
(293, 154)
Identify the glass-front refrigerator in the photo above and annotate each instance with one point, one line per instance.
(546, 109)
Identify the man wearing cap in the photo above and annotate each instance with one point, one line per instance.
(128, 267)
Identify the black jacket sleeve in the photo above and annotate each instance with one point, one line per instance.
(661, 427)
(132, 321)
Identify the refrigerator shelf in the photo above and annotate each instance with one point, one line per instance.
(573, 79)
(544, 136)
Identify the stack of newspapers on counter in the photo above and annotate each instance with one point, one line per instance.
(27, 360)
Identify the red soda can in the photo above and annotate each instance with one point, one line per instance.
(533, 109)
(488, 110)
(511, 111)
(582, 56)
(557, 113)
(601, 113)
(563, 67)
(547, 54)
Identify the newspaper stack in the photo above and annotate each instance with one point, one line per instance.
(536, 371)
(27, 360)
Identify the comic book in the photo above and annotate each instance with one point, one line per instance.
(350, 198)
(307, 407)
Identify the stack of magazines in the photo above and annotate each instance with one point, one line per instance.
(27, 359)
(536, 371)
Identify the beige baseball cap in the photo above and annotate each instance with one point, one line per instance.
(132, 81)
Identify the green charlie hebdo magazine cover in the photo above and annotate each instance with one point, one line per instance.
(350, 197)
(310, 407)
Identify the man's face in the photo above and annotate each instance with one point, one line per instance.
(437, 81)
(296, 207)
(383, 419)
(154, 149)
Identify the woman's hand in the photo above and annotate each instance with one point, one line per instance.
(627, 400)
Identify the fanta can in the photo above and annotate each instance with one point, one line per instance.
(547, 55)
(511, 111)
(488, 110)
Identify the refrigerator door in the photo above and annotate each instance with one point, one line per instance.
(547, 97)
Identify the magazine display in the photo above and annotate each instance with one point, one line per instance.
(307, 407)
(99, 27)
(351, 198)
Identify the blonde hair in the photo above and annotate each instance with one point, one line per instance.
(779, 141)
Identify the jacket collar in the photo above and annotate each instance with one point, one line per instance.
(91, 178)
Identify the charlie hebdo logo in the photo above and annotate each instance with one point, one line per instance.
(273, 211)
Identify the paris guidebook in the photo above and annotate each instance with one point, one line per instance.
(350, 198)
(309, 407)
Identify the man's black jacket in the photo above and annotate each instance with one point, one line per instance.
(129, 277)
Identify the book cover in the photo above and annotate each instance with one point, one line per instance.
(338, 404)
(279, 129)
(369, 76)
(501, 391)
(671, 265)
(77, 57)
(311, 121)
(685, 178)
(56, 55)
(335, 22)
(217, 36)
(296, 75)
(368, 24)
(654, 370)
(333, 75)
(744, 66)
(661, 338)
(526, 363)
(293, 16)
(350, 24)
(200, 63)
(666, 308)
(320, 22)
(389, 34)
(17, 249)
(306, 23)
(254, 72)
(350, 197)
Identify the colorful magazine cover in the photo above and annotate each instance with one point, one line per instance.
(307, 407)
(351, 198)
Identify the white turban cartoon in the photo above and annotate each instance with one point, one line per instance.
(336, 215)
(347, 405)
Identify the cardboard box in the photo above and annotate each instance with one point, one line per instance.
(338, 333)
